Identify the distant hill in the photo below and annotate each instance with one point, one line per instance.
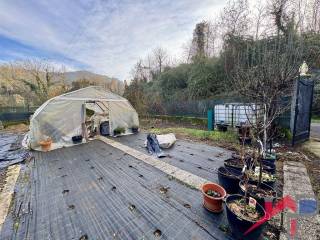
(113, 84)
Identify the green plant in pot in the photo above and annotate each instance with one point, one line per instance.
(119, 130)
(213, 195)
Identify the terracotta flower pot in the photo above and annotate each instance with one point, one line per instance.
(45, 145)
(213, 204)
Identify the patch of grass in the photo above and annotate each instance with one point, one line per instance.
(229, 136)
(286, 133)
(184, 119)
(12, 123)
(315, 119)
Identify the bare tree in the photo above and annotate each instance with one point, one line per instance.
(160, 57)
(38, 75)
(235, 18)
(264, 74)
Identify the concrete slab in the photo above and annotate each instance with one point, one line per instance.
(7, 192)
(297, 184)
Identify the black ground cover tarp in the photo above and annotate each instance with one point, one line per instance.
(11, 151)
(200, 159)
(96, 191)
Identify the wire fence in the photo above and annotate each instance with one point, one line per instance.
(232, 112)
(16, 113)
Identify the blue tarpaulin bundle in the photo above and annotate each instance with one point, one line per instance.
(153, 146)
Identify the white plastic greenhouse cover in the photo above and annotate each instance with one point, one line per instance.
(61, 117)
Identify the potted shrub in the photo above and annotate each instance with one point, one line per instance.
(237, 162)
(135, 129)
(119, 130)
(261, 193)
(229, 179)
(213, 194)
(269, 159)
(241, 216)
(262, 177)
(244, 133)
(242, 210)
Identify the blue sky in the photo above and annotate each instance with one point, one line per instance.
(103, 36)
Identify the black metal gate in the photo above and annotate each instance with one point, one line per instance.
(302, 105)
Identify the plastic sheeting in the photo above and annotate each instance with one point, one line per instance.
(166, 140)
(61, 117)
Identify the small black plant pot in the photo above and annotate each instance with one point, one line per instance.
(135, 130)
(236, 163)
(77, 139)
(269, 183)
(238, 225)
(222, 127)
(245, 141)
(254, 194)
(269, 168)
(269, 162)
(229, 179)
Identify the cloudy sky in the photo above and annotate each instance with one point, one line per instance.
(103, 36)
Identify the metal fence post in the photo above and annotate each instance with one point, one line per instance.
(210, 120)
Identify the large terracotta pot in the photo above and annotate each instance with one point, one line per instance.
(213, 204)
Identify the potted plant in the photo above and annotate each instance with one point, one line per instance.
(244, 133)
(261, 193)
(237, 162)
(45, 144)
(213, 194)
(229, 179)
(262, 177)
(135, 129)
(119, 130)
(269, 159)
(222, 126)
(242, 216)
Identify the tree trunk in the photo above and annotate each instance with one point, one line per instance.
(265, 137)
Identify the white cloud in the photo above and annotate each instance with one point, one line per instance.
(108, 36)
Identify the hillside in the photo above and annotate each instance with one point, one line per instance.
(113, 84)
(20, 86)
(78, 75)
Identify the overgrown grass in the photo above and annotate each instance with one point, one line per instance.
(224, 137)
(315, 119)
(11, 123)
(184, 119)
